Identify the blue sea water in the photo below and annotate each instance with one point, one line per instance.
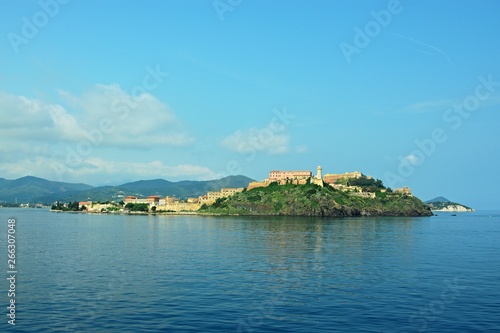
(114, 273)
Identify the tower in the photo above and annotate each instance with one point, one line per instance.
(319, 172)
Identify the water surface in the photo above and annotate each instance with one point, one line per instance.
(96, 273)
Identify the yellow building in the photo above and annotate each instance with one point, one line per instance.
(332, 178)
(404, 190)
(212, 196)
(276, 175)
(135, 200)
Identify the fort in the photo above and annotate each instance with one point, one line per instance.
(337, 181)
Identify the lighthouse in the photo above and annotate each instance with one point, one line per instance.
(319, 172)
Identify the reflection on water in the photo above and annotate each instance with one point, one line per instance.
(254, 274)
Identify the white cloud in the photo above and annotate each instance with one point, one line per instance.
(107, 114)
(127, 121)
(258, 139)
(96, 167)
(24, 118)
(37, 135)
(100, 171)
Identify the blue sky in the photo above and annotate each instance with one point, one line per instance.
(105, 92)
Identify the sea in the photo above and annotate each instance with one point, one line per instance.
(185, 273)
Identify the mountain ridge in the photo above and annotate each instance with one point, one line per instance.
(29, 189)
(437, 199)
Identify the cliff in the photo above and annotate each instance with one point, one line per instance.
(313, 200)
(454, 208)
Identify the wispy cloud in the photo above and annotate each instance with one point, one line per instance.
(440, 105)
(427, 106)
(429, 49)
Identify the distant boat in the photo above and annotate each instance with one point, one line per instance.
(453, 214)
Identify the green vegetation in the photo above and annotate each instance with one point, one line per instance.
(10, 205)
(314, 200)
(368, 184)
(137, 207)
(71, 207)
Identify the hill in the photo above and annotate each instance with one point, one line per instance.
(314, 200)
(437, 199)
(441, 204)
(34, 190)
(29, 189)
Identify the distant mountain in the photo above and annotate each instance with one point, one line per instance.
(441, 204)
(32, 189)
(437, 199)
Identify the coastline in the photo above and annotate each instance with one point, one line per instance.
(234, 214)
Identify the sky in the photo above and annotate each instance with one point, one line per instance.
(106, 92)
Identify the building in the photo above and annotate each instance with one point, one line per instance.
(168, 200)
(153, 200)
(212, 196)
(404, 190)
(223, 193)
(84, 203)
(277, 175)
(231, 191)
(332, 178)
(135, 200)
(318, 180)
(252, 185)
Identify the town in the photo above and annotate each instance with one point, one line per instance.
(172, 204)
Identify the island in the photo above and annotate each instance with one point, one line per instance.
(282, 193)
(310, 196)
(441, 204)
